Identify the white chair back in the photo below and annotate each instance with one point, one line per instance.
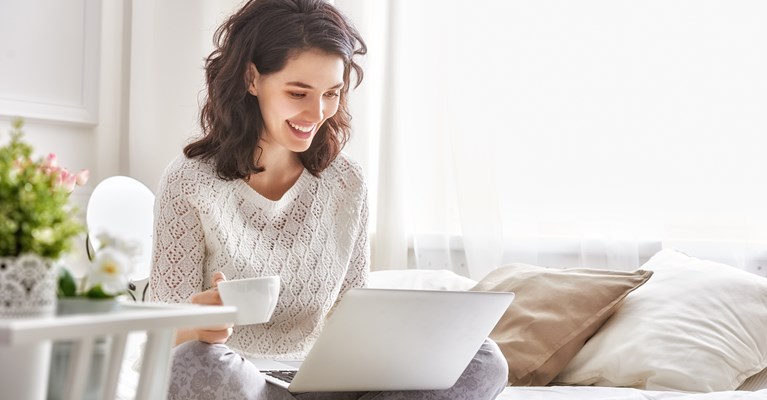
(123, 206)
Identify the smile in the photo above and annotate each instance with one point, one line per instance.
(305, 129)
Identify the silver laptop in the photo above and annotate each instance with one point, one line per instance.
(391, 339)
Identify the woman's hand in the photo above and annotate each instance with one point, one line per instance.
(215, 334)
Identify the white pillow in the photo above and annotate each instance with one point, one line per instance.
(695, 326)
(427, 279)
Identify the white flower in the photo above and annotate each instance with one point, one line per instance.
(111, 269)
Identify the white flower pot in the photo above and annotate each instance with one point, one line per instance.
(28, 285)
(27, 290)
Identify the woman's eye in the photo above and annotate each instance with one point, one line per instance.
(332, 94)
(297, 95)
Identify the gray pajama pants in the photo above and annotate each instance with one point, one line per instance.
(215, 372)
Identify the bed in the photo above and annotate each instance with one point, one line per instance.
(677, 328)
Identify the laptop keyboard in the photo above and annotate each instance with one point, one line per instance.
(284, 375)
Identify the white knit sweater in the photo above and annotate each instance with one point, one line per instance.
(314, 237)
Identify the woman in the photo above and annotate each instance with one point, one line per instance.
(267, 191)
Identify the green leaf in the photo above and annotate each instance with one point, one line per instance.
(97, 293)
(67, 284)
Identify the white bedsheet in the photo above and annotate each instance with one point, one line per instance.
(610, 393)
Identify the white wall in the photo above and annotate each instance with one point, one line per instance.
(169, 42)
(111, 86)
(49, 75)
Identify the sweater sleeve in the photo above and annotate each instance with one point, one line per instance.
(179, 248)
(359, 262)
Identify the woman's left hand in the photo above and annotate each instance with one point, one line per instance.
(216, 334)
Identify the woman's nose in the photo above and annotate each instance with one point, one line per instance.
(315, 110)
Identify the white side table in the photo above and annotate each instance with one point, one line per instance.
(159, 321)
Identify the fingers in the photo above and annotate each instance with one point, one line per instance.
(213, 334)
(210, 296)
(218, 276)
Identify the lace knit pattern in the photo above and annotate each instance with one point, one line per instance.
(314, 237)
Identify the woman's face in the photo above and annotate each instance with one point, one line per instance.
(298, 99)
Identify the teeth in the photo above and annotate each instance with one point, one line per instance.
(306, 129)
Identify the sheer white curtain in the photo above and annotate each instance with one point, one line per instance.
(589, 133)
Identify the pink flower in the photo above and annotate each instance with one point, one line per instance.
(51, 161)
(82, 177)
(63, 178)
(66, 179)
(50, 166)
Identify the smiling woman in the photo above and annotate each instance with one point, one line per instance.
(297, 100)
(266, 191)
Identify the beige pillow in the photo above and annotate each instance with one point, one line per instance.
(555, 311)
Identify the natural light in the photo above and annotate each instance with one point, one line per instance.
(590, 119)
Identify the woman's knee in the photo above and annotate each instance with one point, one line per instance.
(486, 375)
(213, 370)
(491, 365)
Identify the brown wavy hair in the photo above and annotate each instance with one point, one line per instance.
(267, 33)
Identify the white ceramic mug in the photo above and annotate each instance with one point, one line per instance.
(255, 298)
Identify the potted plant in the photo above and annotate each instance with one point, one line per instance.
(37, 226)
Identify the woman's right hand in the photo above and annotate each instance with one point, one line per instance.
(215, 334)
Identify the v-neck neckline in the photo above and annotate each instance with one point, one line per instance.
(286, 198)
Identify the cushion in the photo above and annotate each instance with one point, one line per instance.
(696, 326)
(553, 314)
(755, 382)
(426, 279)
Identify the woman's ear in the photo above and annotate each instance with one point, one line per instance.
(253, 76)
